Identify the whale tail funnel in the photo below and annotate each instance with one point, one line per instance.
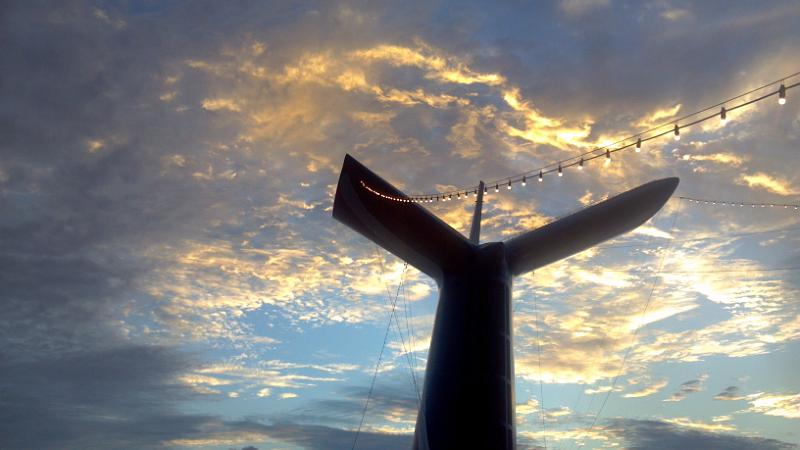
(468, 395)
(373, 207)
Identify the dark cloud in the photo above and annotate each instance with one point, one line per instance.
(686, 388)
(729, 393)
(657, 435)
(315, 437)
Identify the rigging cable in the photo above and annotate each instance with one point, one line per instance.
(541, 387)
(639, 326)
(396, 319)
(380, 357)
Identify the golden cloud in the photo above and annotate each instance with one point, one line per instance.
(770, 183)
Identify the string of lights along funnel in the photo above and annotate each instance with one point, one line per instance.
(636, 142)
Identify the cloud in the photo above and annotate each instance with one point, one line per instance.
(780, 405)
(771, 183)
(729, 393)
(647, 390)
(686, 388)
(578, 7)
(654, 434)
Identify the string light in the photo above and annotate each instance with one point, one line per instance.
(740, 204)
(620, 145)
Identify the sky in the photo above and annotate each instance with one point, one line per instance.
(171, 276)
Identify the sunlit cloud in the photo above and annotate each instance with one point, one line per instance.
(647, 390)
(769, 183)
(781, 405)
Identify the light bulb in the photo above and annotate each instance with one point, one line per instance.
(580, 165)
(509, 185)
(782, 95)
(540, 177)
(497, 187)
(608, 157)
(523, 180)
(638, 145)
(677, 133)
(560, 172)
(723, 117)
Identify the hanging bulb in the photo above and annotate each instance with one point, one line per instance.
(782, 95)
(497, 187)
(638, 145)
(451, 197)
(580, 165)
(475, 193)
(485, 190)
(523, 180)
(723, 116)
(677, 132)
(560, 172)
(608, 157)
(509, 185)
(540, 177)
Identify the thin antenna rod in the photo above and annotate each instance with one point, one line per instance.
(475, 231)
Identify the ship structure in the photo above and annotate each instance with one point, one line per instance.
(468, 394)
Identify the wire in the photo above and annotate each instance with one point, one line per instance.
(411, 344)
(380, 357)
(541, 382)
(636, 330)
(397, 320)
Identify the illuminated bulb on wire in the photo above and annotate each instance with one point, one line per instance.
(509, 185)
(475, 194)
(723, 116)
(638, 145)
(540, 177)
(608, 157)
(782, 95)
(523, 180)
(560, 172)
(677, 132)
(497, 187)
